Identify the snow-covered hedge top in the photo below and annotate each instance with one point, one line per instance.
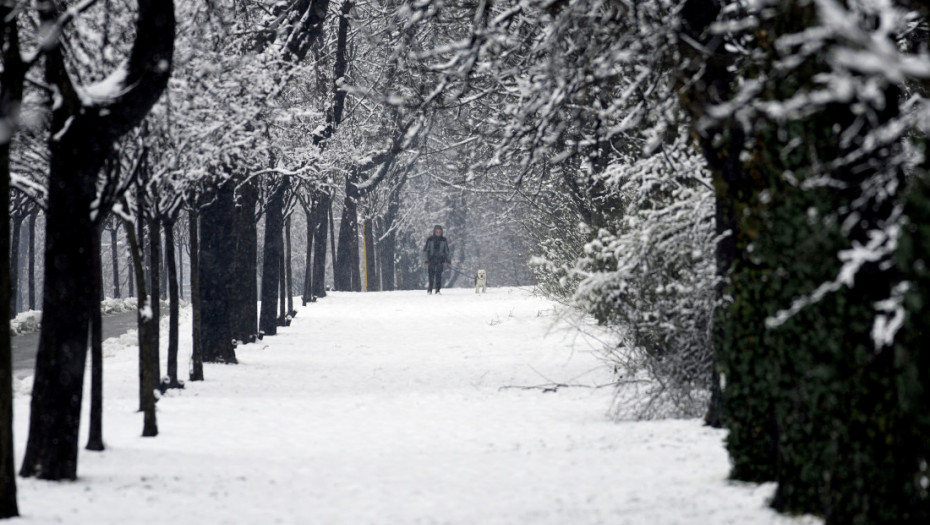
(30, 321)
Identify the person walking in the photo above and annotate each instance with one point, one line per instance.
(436, 251)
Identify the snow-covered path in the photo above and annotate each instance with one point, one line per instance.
(387, 408)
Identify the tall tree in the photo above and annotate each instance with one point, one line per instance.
(372, 279)
(245, 264)
(288, 267)
(388, 244)
(31, 269)
(17, 218)
(345, 272)
(83, 133)
(95, 436)
(196, 372)
(180, 251)
(114, 256)
(148, 340)
(321, 214)
(155, 264)
(173, 304)
(12, 78)
(272, 254)
(282, 282)
(307, 289)
(398, 126)
(216, 286)
(8, 506)
(130, 279)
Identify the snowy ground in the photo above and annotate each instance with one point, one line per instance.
(387, 408)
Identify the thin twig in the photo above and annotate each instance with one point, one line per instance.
(554, 387)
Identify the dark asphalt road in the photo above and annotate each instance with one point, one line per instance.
(25, 346)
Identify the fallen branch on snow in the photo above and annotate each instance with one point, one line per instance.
(554, 387)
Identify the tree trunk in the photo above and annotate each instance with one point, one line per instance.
(321, 212)
(180, 252)
(714, 88)
(114, 253)
(146, 253)
(95, 437)
(308, 266)
(355, 259)
(68, 300)
(144, 285)
(130, 277)
(388, 245)
(196, 373)
(387, 254)
(288, 267)
(155, 300)
(148, 379)
(245, 265)
(217, 244)
(253, 277)
(173, 306)
(372, 282)
(163, 268)
(458, 221)
(332, 239)
(282, 296)
(271, 271)
(8, 506)
(14, 265)
(11, 92)
(31, 277)
(346, 277)
(82, 137)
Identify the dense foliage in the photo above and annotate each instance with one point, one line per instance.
(818, 362)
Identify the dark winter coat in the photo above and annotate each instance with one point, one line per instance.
(436, 250)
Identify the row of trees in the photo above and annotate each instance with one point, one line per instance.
(431, 166)
(27, 265)
(226, 124)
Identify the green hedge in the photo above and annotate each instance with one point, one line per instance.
(814, 404)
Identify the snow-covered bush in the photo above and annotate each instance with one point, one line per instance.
(26, 322)
(653, 280)
(650, 275)
(110, 305)
(31, 321)
(559, 237)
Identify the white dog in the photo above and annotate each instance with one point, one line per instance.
(481, 281)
